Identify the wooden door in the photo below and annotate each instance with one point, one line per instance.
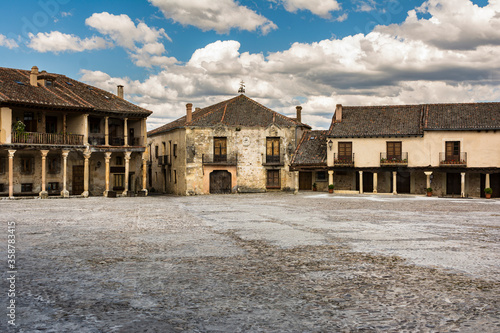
(273, 150)
(78, 179)
(453, 150)
(453, 184)
(273, 179)
(394, 150)
(305, 181)
(220, 182)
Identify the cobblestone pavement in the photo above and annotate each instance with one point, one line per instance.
(255, 263)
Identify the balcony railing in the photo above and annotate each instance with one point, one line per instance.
(47, 138)
(231, 159)
(164, 160)
(394, 160)
(274, 160)
(343, 160)
(453, 160)
(116, 141)
(134, 141)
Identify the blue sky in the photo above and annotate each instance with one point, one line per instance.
(316, 53)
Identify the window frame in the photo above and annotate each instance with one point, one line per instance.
(273, 179)
(220, 149)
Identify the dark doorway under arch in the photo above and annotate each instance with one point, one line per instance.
(220, 182)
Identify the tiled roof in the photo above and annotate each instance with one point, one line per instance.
(366, 121)
(474, 116)
(15, 89)
(311, 149)
(238, 111)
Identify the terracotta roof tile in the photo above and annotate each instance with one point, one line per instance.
(311, 149)
(473, 116)
(238, 111)
(15, 89)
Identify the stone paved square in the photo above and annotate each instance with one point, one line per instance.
(274, 262)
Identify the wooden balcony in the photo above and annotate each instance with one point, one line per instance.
(394, 160)
(47, 138)
(343, 160)
(459, 160)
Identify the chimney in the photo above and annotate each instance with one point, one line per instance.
(34, 76)
(338, 113)
(189, 112)
(120, 91)
(299, 113)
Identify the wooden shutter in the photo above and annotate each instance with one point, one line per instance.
(394, 150)
(345, 150)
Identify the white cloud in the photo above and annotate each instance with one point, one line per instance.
(7, 42)
(321, 8)
(455, 24)
(381, 67)
(56, 41)
(140, 40)
(220, 15)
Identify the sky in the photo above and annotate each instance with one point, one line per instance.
(313, 53)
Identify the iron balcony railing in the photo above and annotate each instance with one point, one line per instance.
(119, 141)
(47, 138)
(213, 159)
(343, 160)
(459, 160)
(97, 140)
(393, 160)
(274, 160)
(164, 160)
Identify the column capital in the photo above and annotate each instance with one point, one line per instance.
(428, 173)
(86, 154)
(127, 155)
(65, 153)
(11, 153)
(44, 153)
(330, 172)
(107, 156)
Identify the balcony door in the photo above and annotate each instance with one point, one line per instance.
(273, 150)
(394, 150)
(452, 150)
(50, 124)
(345, 151)
(220, 149)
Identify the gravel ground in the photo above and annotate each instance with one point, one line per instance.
(254, 263)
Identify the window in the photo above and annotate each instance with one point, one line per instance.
(394, 150)
(175, 149)
(164, 148)
(175, 176)
(119, 182)
(50, 124)
(27, 187)
(273, 179)
(119, 160)
(321, 176)
(29, 122)
(27, 165)
(220, 149)
(53, 164)
(345, 151)
(95, 125)
(452, 150)
(49, 84)
(156, 152)
(53, 186)
(273, 150)
(2, 188)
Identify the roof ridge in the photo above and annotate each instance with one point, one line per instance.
(274, 112)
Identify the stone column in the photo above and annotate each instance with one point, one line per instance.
(44, 194)
(106, 131)
(11, 173)
(296, 182)
(125, 130)
(64, 192)
(127, 168)
(462, 194)
(361, 182)
(375, 182)
(394, 182)
(85, 129)
(487, 181)
(86, 174)
(107, 157)
(144, 173)
(428, 174)
(330, 177)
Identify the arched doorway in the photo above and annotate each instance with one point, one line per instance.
(220, 182)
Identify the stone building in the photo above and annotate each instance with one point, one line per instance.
(62, 137)
(237, 145)
(452, 148)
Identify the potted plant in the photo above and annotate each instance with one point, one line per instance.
(315, 187)
(487, 192)
(330, 188)
(429, 191)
